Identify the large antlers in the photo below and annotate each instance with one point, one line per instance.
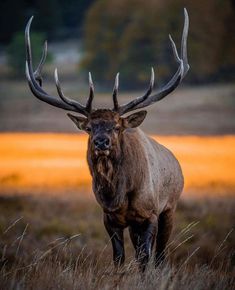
(147, 99)
(35, 82)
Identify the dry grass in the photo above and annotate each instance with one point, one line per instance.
(51, 231)
(58, 161)
(49, 243)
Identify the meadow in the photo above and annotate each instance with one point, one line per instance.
(51, 230)
(60, 243)
(52, 234)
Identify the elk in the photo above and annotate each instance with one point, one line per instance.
(136, 180)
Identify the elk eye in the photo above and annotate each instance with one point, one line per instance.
(88, 129)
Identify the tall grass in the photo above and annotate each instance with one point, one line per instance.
(200, 255)
(58, 268)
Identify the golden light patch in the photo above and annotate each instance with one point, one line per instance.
(35, 162)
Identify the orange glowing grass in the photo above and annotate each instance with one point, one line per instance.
(58, 161)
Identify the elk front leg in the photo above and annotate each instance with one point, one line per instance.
(143, 236)
(165, 225)
(116, 235)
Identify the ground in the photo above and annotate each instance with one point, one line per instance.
(52, 237)
(60, 243)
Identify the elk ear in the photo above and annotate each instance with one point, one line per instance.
(134, 120)
(80, 122)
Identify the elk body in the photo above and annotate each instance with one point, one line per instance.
(136, 180)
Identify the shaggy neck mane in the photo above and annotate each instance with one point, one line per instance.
(105, 168)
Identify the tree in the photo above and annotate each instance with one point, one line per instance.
(130, 36)
(57, 18)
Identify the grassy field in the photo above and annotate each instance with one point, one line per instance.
(60, 243)
(51, 230)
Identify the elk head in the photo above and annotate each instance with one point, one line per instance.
(105, 126)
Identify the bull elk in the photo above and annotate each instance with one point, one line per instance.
(136, 180)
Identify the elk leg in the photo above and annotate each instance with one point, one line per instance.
(143, 236)
(134, 238)
(165, 225)
(116, 235)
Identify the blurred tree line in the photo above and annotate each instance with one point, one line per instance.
(130, 36)
(55, 18)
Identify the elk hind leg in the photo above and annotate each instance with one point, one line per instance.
(165, 225)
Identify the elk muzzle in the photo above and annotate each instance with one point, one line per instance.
(102, 145)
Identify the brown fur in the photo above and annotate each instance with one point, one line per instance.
(135, 179)
(137, 182)
(104, 167)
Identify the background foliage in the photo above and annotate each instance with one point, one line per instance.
(130, 36)
(16, 51)
(57, 18)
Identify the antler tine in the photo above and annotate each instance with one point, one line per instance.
(182, 70)
(91, 95)
(183, 52)
(34, 80)
(128, 107)
(115, 92)
(184, 55)
(38, 71)
(29, 53)
(27, 42)
(175, 52)
(63, 97)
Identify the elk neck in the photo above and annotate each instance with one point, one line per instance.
(105, 171)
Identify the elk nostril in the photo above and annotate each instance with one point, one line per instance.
(107, 143)
(102, 143)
